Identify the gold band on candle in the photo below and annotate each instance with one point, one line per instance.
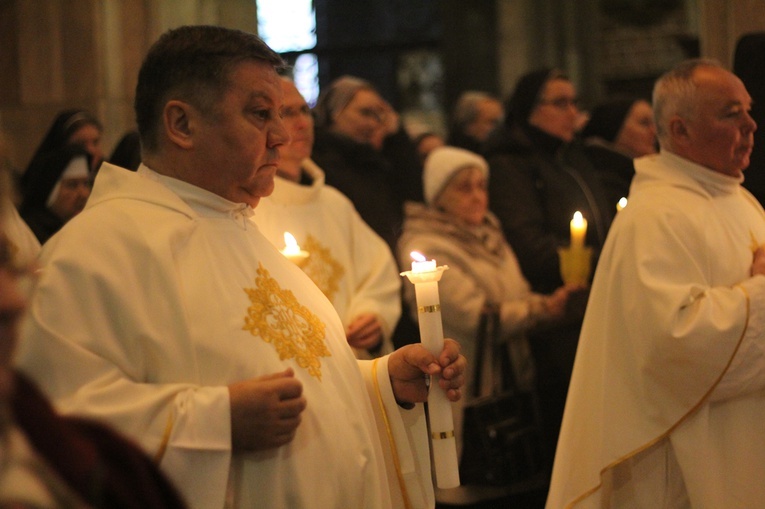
(429, 309)
(442, 435)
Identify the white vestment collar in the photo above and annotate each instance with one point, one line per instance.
(666, 165)
(202, 201)
(287, 192)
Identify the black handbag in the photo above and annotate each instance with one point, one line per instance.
(502, 441)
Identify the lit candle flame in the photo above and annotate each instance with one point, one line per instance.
(290, 244)
(421, 263)
(292, 250)
(622, 203)
(578, 230)
(419, 257)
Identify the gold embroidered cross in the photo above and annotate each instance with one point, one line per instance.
(322, 267)
(278, 318)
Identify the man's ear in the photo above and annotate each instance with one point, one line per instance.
(177, 117)
(678, 130)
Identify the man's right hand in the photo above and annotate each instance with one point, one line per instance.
(265, 411)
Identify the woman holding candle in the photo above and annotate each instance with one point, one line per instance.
(454, 227)
(540, 177)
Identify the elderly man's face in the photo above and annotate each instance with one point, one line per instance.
(720, 133)
(490, 113)
(238, 145)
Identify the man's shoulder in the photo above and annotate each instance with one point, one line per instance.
(116, 224)
(331, 196)
(661, 207)
(129, 190)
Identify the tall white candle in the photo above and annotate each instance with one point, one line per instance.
(425, 276)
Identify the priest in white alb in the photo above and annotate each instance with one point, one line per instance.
(348, 261)
(164, 311)
(667, 398)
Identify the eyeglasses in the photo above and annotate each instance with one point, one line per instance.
(372, 114)
(303, 111)
(561, 103)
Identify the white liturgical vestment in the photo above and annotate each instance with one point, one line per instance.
(24, 245)
(667, 398)
(348, 261)
(160, 294)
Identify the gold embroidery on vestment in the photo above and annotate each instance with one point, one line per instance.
(391, 438)
(322, 267)
(165, 438)
(278, 318)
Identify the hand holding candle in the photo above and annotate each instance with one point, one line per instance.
(425, 276)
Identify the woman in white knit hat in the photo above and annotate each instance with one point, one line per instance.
(455, 228)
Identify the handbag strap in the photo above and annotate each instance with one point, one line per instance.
(487, 340)
(480, 349)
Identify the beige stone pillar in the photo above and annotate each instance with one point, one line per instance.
(723, 22)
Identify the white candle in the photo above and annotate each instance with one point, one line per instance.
(292, 250)
(425, 276)
(578, 230)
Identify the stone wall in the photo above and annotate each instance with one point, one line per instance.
(60, 54)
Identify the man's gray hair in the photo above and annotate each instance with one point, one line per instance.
(336, 97)
(675, 94)
(466, 109)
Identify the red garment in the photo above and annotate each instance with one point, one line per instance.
(104, 468)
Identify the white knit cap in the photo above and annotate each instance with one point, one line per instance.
(442, 164)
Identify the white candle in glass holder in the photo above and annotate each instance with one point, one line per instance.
(425, 276)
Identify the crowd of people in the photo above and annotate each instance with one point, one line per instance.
(171, 328)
